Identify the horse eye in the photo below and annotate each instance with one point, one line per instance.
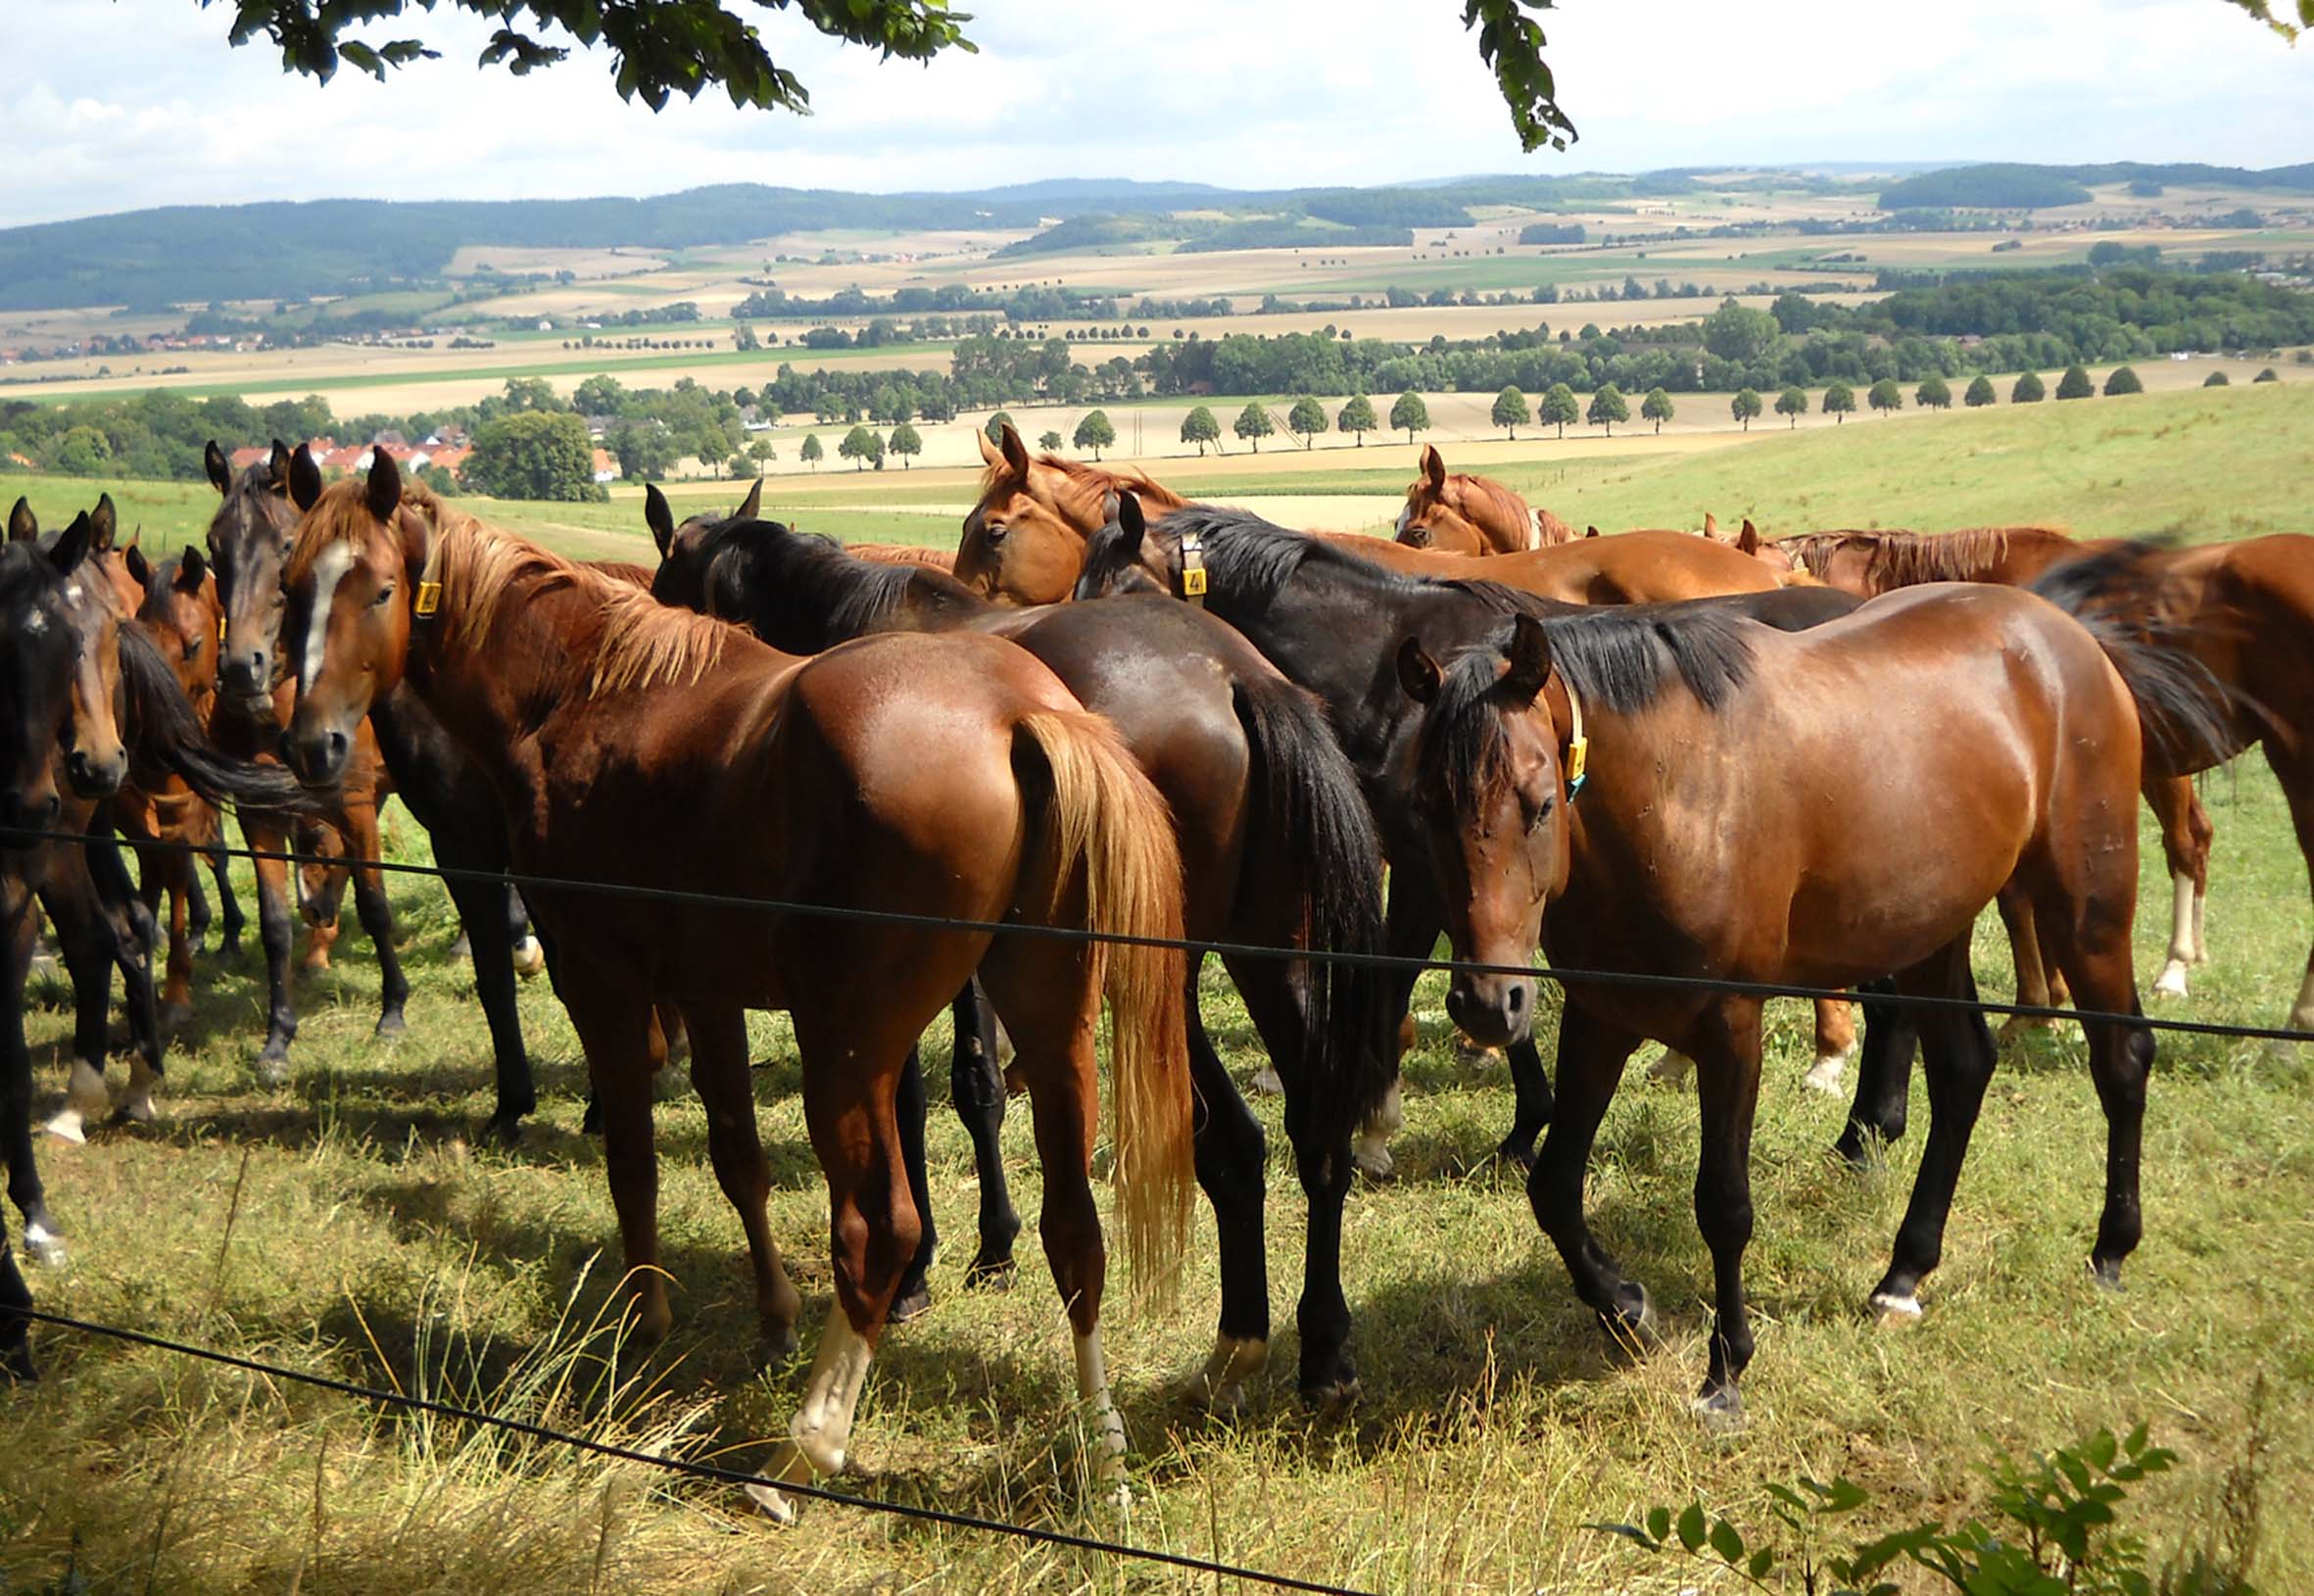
(385, 593)
(994, 532)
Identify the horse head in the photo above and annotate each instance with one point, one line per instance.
(1018, 546)
(248, 538)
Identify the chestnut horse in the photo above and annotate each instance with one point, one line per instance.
(1869, 564)
(1278, 851)
(1725, 834)
(1024, 543)
(1466, 514)
(948, 777)
(1321, 616)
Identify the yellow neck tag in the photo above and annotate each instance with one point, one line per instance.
(221, 629)
(1578, 746)
(429, 598)
(1194, 570)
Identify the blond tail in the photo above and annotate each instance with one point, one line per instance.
(1105, 811)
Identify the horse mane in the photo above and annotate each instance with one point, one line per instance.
(1246, 554)
(850, 596)
(1902, 559)
(640, 643)
(1088, 484)
(1513, 510)
(1552, 530)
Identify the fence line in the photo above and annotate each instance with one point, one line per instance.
(680, 1466)
(1563, 977)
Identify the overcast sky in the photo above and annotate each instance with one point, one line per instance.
(111, 104)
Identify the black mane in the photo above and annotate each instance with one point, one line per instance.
(806, 574)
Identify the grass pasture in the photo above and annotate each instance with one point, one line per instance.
(347, 1224)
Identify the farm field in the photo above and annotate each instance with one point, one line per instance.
(347, 1224)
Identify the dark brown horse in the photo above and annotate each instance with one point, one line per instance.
(1870, 564)
(1725, 834)
(248, 538)
(1278, 848)
(1460, 514)
(951, 777)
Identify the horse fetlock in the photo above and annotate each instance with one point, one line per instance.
(2172, 980)
(1895, 1310)
(1719, 1407)
(1219, 1386)
(2105, 1274)
(529, 957)
(1266, 1082)
(1828, 1072)
(42, 1243)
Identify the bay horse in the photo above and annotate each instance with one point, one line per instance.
(1871, 562)
(1322, 617)
(1716, 833)
(1278, 851)
(1024, 543)
(949, 776)
(1461, 513)
(248, 538)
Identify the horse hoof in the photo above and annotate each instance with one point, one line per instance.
(775, 1346)
(174, 1014)
(2172, 981)
(1266, 1082)
(1892, 1311)
(1827, 1075)
(1518, 1154)
(1630, 1324)
(771, 1504)
(135, 1109)
(392, 1024)
(1671, 1069)
(272, 1072)
(1335, 1393)
(1372, 1159)
(16, 1363)
(2105, 1274)
(908, 1304)
(529, 957)
(43, 1245)
(69, 1124)
(1720, 1409)
(1219, 1386)
(986, 1273)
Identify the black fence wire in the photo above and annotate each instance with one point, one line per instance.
(686, 1467)
(1563, 977)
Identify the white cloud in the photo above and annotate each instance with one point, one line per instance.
(153, 108)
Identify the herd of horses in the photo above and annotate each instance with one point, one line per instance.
(1033, 778)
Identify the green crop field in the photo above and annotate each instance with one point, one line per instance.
(347, 1224)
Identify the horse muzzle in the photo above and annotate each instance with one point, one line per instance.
(1494, 1011)
(317, 757)
(95, 776)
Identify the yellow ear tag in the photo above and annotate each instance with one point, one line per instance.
(1193, 582)
(221, 629)
(429, 598)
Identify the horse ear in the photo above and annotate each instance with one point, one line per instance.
(1530, 657)
(990, 454)
(22, 525)
(191, 570)
(1590, 531)
(134, 559)
(1112, 505)
(280, 465)
(1710, 524)
(1418, 672)
(304, 476)
(1434, 467)
(751, 505)
(658, 517)
(221, 469)
(1748, 540)
(1016, 453)
(1126, 512)
(384, 491)
(104, 525)
(73, 546)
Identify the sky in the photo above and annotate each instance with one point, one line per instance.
(114, 105)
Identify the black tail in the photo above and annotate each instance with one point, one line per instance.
(165, 738)
(2186, 712)
(1308, 791)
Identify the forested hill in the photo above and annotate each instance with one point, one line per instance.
(2011, 186)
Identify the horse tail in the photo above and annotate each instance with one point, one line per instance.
(165, 738)
(2186, 711)
(1308, 791)
(1105, 814)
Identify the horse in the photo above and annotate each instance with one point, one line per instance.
(1869, 564)
(1315, 612)
(924, 775)
(1468, 515)
(1278, 848)
(171, 826)
(1024, 543)
(247, 538)
(1603, 781)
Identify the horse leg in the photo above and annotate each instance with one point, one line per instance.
(528, 952)
(41, 1239)
(16, 1346)
(478, 902)
(1836, 1043)
(2186, 835)
(1728, 1095)
(1959, 1054)
(1590, 1066)
(1412, 924)
(719, 1072)
(321, 894)
(975, 1086)
(182, 883)
(1884, 1074)
(129, 927)
(910, 1109)
(230, 917)
(613, 1024)
(85, 942)
(376, 914)
(2297, 774)
(198, 917)
(267, 836)
(2033, 989)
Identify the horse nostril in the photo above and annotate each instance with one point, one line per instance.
(1516, 999)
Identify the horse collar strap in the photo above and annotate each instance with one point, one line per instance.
(1193, 568)
(1578, 746)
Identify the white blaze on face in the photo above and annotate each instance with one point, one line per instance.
(329, 569)
(1405, 512)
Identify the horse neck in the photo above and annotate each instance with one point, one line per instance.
(488, 691)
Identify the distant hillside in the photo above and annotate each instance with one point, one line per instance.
(2012, 186)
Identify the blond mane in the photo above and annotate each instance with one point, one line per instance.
(1510, 509)
(639, 641)
(1086, 485)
